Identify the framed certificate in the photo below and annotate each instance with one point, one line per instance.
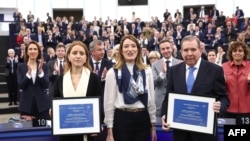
(76, 116)
(191, 112)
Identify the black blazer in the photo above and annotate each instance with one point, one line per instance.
(209, 81)
(94, 87)
(108, 64)
(8, 68)
(30, 92)
(105, 63)
(52, 78)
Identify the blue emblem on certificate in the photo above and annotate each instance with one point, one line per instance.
(76, 116)
(190, 112)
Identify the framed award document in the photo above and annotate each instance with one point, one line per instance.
(191, 112)
(76, 115)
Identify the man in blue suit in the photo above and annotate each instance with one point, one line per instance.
(208, 80)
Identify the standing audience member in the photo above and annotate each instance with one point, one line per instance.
(237, 75)
(16, 16)
(99, 64)
(220, 56)
(30, 17)
(78, 80)
(239, 16)
(129, 96)
(20, 53)
(33, 84)
(202, 83)
(144, 52)
(100, 67)
(56, 67)
(211, 56)
(153, 56)
(115, 53)
(11, 77)
(160, 69)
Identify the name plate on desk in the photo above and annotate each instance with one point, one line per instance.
(191, 112)
(75, 116)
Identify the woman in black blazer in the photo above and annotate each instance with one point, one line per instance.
(33, 84)
(78, 80)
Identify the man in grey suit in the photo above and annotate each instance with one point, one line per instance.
(160, 69)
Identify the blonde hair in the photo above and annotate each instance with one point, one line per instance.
(154, 54)
(114, 55)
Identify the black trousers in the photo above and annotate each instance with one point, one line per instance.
(131, 126)
(74, 138)
(12, 87)
(34, 112)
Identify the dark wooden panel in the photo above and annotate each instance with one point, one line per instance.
(132, 2)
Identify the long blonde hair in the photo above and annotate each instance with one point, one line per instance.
(138, 60)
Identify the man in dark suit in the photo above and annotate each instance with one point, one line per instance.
(215, 13)
(166, 14)
(144, 52)
(133, 30)
(202, 12)
(40, 36)
(11, 77)
(240, 16)
(56, 67)
(207, 79)
(20, 51)
(100, 67)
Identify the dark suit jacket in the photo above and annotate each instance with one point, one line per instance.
(50, 43)
(42, 36)
(94, 87)
(8, 68)
(209, 81)
(52, 78)
(135, 32)
(30, 92)
(105, 63)
(214, 13)
(241, 13)
(108, 64)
